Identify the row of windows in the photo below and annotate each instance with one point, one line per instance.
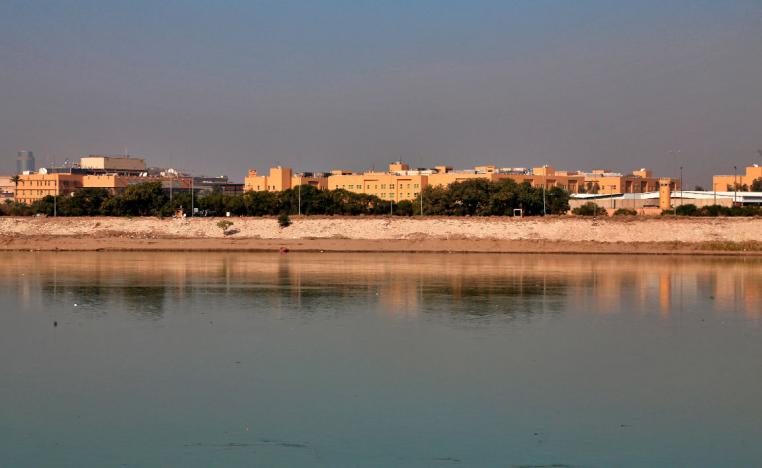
(391, 195)
(39, 183)
(28, 192)
(376, 186)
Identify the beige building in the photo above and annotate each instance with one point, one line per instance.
(112, 163)
(400, 183)
(606, 182)
(7, 188)
(34, 187)
(281, 178)
(721, 183)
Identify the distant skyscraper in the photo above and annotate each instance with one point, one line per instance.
(25, 162)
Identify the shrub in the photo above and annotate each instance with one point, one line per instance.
(625, 212)
(588, 209)
(687, 210)
(284, 221)
(224, 225)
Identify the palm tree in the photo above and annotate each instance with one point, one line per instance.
(15, 179)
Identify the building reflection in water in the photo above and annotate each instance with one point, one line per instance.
(396, 284)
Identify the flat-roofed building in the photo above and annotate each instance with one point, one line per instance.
(282, 178)
(400, 183)
(108, 163)
(114, 183)
(315, 179)
(7, 188)
(607, 182)
(36, 186)
(277, 180)
(538, 177)
(737, 182)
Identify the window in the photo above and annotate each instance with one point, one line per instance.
(383, 186)
(415, 185)
(391, 185)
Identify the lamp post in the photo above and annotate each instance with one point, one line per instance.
(681, 185)
(675, 154)
(735, 184)
(299, 190)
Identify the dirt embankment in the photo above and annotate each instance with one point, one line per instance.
(553, 234)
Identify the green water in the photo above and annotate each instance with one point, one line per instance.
(355, 360)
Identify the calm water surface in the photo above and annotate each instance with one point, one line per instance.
(355, 360)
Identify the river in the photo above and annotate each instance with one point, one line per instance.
(379, 360)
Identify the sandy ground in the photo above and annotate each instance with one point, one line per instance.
(556, 234)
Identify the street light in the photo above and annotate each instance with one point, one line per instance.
(675, 154)
(544, 181)
(735, 184)
(681, 185)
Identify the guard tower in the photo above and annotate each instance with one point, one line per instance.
(665, 194)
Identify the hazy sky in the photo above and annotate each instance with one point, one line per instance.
(219, 87)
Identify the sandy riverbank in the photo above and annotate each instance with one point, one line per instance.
(557, 234)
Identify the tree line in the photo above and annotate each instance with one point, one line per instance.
(476, 197)
(688, 209)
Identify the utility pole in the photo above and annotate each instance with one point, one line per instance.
(300, 199)
(193, 206)
(735, 184)
(421, 195)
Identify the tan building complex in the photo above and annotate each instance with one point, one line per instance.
(721, 183)
(400, 182)
(34, 187)
(281, 178)
(605, 182)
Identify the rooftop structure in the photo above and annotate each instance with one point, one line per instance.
(108, 163)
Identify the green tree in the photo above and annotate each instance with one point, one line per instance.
(145, 199)
(756, 185)
(284, 221)
(557, 201)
